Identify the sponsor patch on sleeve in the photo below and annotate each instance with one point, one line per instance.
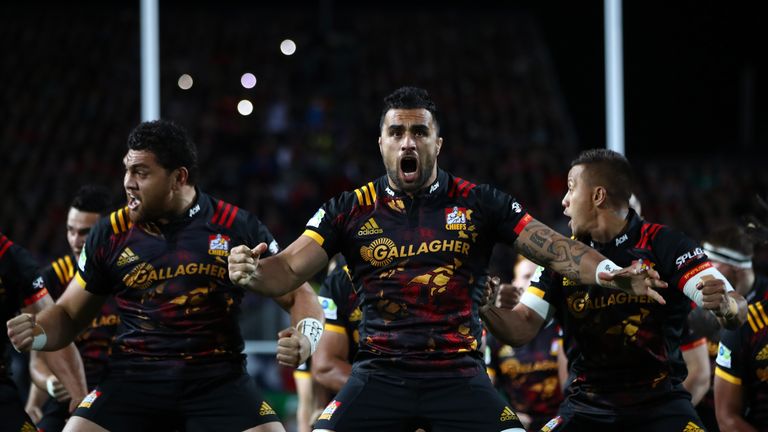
(316, 219)
(723, 356)
(330, 310)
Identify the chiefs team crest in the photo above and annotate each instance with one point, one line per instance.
(218, 245)
(456, 218)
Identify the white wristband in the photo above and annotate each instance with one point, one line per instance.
(39, 340)
(606, 266)
(49, 386)
(312, 329)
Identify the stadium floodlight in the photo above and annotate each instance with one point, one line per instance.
(245, 107)
(248, 80)
(288, 47)
(185, 82)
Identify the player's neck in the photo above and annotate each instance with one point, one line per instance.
(182, 202)
(424, 186)
(610, 223)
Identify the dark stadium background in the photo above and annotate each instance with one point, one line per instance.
(520, 85)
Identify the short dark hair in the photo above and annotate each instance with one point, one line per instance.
(732, 237)
(170, 144)
(92, 199)
(409, 98)
(610, 170)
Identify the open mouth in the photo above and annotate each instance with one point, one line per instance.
(409, 166)
(133, 201)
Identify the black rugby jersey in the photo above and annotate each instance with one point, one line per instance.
(624, 349)
(20, 286)
(742, 360)
(528, 375)
(178, 309)
(95, 341)
(419, 264)
(339, 301)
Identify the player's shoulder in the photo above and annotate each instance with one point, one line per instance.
(220, 213)
(364, 195)
(460, 187)
(462, 190)
(757, 316)
(61, 269)
(115, 223)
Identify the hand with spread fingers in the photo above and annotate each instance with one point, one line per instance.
(639, 279)
(293, 347)
(243, 264)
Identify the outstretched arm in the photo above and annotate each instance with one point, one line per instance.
(578, 262)
(278, 274)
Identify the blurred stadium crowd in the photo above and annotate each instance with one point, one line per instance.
(71, 93)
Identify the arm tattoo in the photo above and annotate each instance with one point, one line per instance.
(546, 247)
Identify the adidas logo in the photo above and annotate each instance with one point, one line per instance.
(266, 409)
(126, 257)
(507, 415)
(763, 354)
(692, 427)
(370, 228)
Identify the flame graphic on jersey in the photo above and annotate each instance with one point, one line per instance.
(629, 326)
(438, 278)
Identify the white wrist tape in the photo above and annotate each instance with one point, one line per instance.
(312, 329)
(39, 340)
(606, 266)
(49, 386)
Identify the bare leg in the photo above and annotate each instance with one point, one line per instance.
(268, 427)
(81, 424)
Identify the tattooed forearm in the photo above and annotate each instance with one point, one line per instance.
(548, 248)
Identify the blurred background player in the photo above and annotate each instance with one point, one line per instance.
(528, 376)
(730, 249)
(21, 288)
(91, 203)
(741, 375)
(626, 370)
(177, 360)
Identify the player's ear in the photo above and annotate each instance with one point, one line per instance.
(599, 196)
(439, 145)
(180, 177)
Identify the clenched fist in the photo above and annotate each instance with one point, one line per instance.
(21, 331)
(293, 347)
(243, 263)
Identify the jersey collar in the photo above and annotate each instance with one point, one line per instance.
(629, 235)
(441, 180)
